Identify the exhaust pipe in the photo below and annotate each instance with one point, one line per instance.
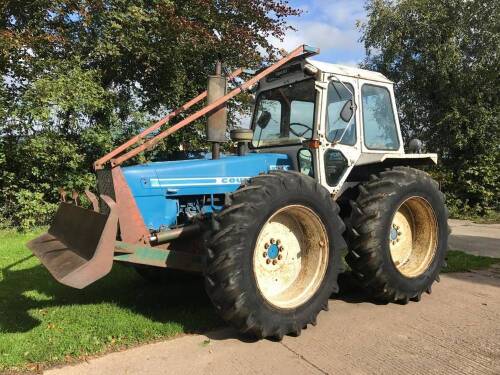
(217, 121)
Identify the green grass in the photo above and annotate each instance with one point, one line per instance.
(45, 323)
(459, 261)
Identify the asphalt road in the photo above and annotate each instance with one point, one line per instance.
(455, 330)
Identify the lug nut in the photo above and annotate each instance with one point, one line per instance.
(281, 248)
(264, 254)
(399, 233)
(279, 257)
(272, 240)
(397, 239)
(321, 243)
(266, 245)
(268, 261)
(278, 242)
(274, 262)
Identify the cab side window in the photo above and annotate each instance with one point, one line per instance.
(336, 130)
(379, 124)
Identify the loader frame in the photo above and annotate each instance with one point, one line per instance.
(115, 157)
(119, 233)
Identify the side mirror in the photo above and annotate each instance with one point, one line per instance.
(264, 119)
(347, 110)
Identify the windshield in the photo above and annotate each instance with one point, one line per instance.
(284, 115)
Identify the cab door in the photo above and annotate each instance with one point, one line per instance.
(340, 137)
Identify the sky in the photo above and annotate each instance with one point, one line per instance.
(329, 25)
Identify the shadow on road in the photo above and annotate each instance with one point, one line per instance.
(490, 276)
(477, 245)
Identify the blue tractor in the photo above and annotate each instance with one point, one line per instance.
(321, 174)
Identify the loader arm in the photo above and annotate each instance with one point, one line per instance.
(117, 159)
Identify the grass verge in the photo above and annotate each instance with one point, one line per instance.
(458, 261)
(491, 217)
(43, 323)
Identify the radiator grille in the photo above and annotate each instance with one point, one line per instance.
(105, 186)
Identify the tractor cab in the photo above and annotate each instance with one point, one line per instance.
(329, 119)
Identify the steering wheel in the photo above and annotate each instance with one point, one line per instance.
(308, 128)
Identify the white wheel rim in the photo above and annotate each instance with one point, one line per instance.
(413, 237)
(291, 256)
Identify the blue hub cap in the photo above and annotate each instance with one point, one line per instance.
(394, 234)
(273, 251)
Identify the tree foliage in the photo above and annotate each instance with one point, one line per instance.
(80, 76)
(444, 57)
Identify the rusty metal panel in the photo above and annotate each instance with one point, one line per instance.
(217, 121)
(79, 245)
(157, 257)
(132, 227)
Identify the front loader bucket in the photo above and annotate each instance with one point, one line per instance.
(78, 248)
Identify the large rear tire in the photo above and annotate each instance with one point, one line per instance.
(274, 255)
(398, 234)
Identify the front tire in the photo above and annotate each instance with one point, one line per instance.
(398, 234)
(274, 256)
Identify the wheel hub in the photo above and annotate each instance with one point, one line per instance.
(395, 234)
(273, 251)
(290, 256)
(413, 237)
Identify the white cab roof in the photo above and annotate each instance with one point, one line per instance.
(348, 71)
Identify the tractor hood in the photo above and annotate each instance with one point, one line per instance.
(157, 186)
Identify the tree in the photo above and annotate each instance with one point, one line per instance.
(444, 56)
(80, 76)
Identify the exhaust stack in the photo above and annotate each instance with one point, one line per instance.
(217, 121)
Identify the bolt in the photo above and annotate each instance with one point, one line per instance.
(266, 245)
(272, 240)
(278, 242)
(264, 254)
(281, 248)
(274, 262)
(279, 257)
(268, 261)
